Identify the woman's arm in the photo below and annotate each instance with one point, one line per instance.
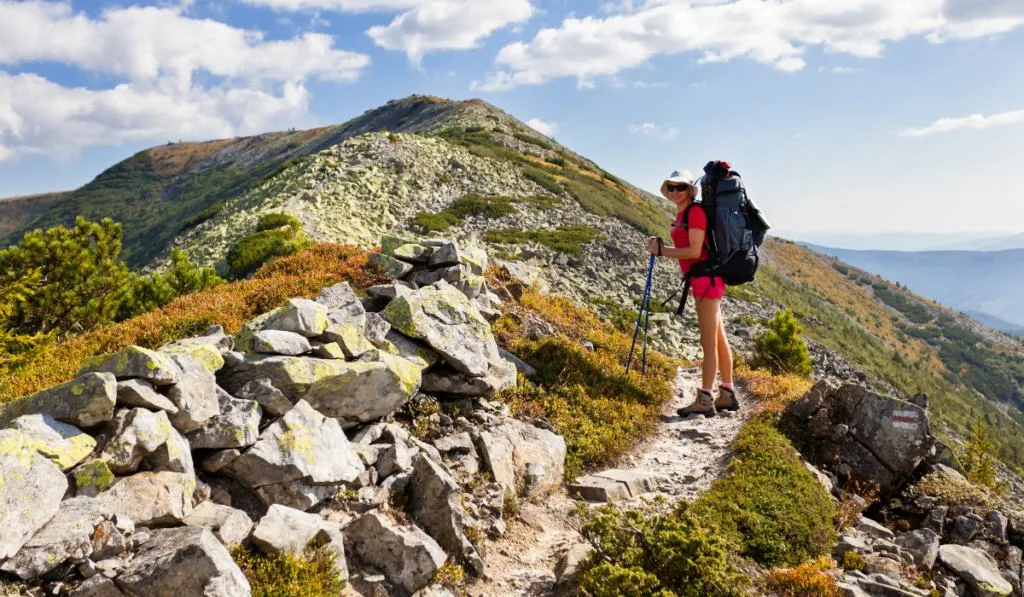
(691, 252)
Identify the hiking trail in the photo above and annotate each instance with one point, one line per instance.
(682, 457)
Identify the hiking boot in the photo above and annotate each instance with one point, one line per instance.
(703, 404)
(726, 399)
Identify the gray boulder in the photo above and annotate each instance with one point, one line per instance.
(444, 255)
(231, 526)
(509, 449)
(182, 561)
(279, 342)
(452, 274)
(445, 319)
(237, 425)
(263, 392)
(86, 401)
(964, 528)
(92, 477)
(501, 375)
(415, 253)
(376, 328)
(214, 337)
(301, 446)
(30, 494)
(436, 505)
(139, 392)
(394, 458)
(301, 316)
(408, 556)
(977, 569)
(194, 394)
(995, 525)
(67, 536)
(135, 361)
(885, 439)
(286, 530)
(407, 348)
(353, 391)
(349, 338)
(145, 435)
(391, 267)
(299, 495)
(64, 444)
(922, 544)
(151, 498)
(343, 306)
(97, 586)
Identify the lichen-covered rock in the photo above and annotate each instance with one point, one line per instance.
(279, 342)
(509, 449)
(349, 337)
(408, 556)
(301, 316)
(343, 306)
(151, 498)
(145, 435)
(353, 391)
(230, 525)
(331, 350)
(391, 267)
(977, 569)
(31, 489)
(436, 504)
(135, 361)
(182, 561)
(85, 401)
(376, 328)
(139, 392)
(263, 392)
(445, 319)
(207, 354)
(287, 530)
(67, 536)
(407, 348)
(237, 425)
(194, 394)
(92, 477)
(301, 446)
(414, 253)
(64, 444)
(500, 375)
(476, 259)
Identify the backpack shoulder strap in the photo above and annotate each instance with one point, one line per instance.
(685, 220)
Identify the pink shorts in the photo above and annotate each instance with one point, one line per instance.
(702, 288)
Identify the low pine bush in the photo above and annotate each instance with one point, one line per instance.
(276, 235)
(311, 574)
(565, 239)
(769, 504)
(656, 550)
(277, 220)
(780, 348)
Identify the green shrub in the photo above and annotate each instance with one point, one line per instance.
(653, 550)
(156, 290)
(435, 222)
(780, 348)
(852, 560)
(566, 239)
(275, 221)
(544, 179)
(475, 205)
(980, 459)
(284, 575)
(276, 235)
(769, 504)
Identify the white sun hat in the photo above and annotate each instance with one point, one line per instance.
(678, 176)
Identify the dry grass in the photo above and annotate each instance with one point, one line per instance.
(229, 305)
(771, 393)
(806, 580)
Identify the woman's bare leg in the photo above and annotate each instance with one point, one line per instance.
(724, 353)
(708, 322)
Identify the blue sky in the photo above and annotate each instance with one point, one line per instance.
(843, 115)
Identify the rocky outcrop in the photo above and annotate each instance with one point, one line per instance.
(269, 416)
(863, 435)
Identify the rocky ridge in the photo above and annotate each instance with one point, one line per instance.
(137, 477)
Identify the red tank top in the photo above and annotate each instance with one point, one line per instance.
(681, 235)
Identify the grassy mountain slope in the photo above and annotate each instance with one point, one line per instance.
(971, 373)
(988, 282)
(164, 191)
(19, 213)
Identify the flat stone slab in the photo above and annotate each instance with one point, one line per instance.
(613, 485)
(637, 481)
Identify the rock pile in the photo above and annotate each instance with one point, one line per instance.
(963, 549)
(135, 477)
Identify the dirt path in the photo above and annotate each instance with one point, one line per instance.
(682, 457)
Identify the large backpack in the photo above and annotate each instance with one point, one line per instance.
(735, 228)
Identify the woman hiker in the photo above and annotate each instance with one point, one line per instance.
(688, 238)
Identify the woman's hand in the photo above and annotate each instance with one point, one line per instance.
(654, 245)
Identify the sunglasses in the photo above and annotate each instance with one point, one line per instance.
(672, 188)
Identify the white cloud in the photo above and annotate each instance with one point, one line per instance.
(424, 25)
(772, 32)
(448, 25)
(545, 128)
(649, 129)
(974, 121)
(175, 77)
(839, 70)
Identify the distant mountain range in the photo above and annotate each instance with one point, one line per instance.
(988, 285)
(903, 241)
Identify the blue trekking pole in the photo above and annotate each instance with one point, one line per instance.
(644, 304)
